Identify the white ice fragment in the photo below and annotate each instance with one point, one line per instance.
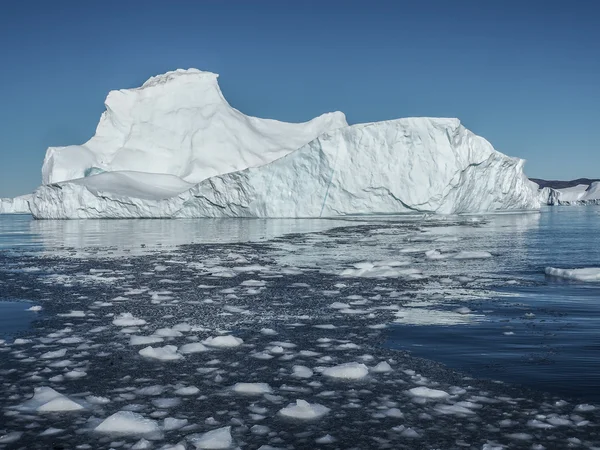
(382, 367)
(167, 332)
(347, 371)
(34, 308)
(97, 400)
(227, 341)
(193, 347)
(188, 390)
(473, 255)
(142, 444)
(46, 399)
(73, 314)
(55, 354)
(302, 372)
(11, 437)
(426, 392)
(127, 423)
(145, 340)
(127, 320)
(252, 388)
(214, 440)
(327, 439)
(303, 410)
(268, 331)
(589, 274)
(166, 353)
(171, 423)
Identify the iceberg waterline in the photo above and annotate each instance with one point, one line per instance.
(174, 148)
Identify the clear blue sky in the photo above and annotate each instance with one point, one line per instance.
(524, 74)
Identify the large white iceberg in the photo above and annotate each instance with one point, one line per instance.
(16, 205)
(175, 148)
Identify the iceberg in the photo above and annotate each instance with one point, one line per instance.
(174, 148)
(17, 205)
(579, 194)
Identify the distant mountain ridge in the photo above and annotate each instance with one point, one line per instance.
(557, 184)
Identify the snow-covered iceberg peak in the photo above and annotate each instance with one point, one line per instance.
(179, 123)
(404, 165)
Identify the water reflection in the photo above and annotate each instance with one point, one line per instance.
(139, 236)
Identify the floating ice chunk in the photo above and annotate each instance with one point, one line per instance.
(128, 423)
(370, 270)
(46, 399)
(11, 437)
(584, 407)
(145, 340)
(435, 254)
(462, 310)
(75, 374)
(35, 308)
(215, 439)
(589, 274)
(252, 388)
(170, 423)
(193, 347)
(166, 353)
(96, 400)
(454, 410)
(127, 320)
(166, 403)
(167, 332)
(347, 371)
(55, 354)
(473, 255)
(51, 431)
(223, 341)
(142, 444)
(426, 392)
(382, 367)
(303, 410)
(150, 390)
(73, 314)
(268, 331)
(327, 439)
(254, 283)
(185, 391)
(302, 372)
(339, 305)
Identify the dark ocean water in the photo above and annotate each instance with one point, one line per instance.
(544, 335)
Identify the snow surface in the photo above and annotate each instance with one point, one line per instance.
(587, 274)
(16, 205)
(179, 123)
(174, 148)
